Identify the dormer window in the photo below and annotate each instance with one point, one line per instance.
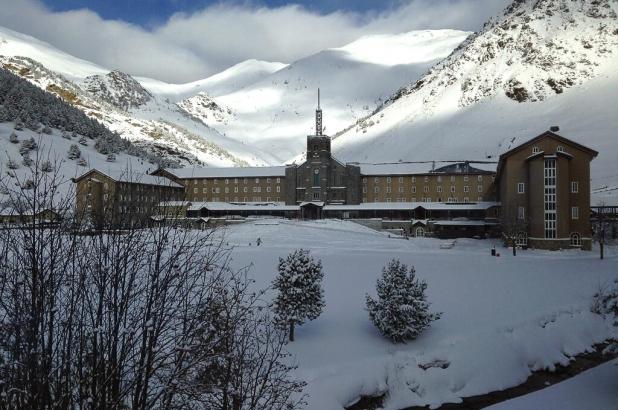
(560, 148)
(535, 150)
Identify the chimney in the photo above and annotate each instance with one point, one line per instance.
(554, 128)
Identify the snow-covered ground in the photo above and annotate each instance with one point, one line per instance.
(594, 389)
(503, 316)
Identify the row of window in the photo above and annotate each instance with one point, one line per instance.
(521, 187)
(423, 199)
(521, 212)
(217, 190)
(401, 189)
(237, 199)
(245, 181)
(522, 239)
(425, 179)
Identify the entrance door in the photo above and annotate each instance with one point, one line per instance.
(311, 211)
(419, 232)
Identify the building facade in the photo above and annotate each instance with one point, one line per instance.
(544, 188)
(538, 192)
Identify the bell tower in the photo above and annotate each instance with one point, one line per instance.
(318, 145)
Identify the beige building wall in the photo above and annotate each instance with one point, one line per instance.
(427, 188)
(243, 189)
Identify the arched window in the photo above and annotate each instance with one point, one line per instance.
(576, 239)
(419, 232)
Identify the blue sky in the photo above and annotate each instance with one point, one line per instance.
(186, 40)
(149, 13)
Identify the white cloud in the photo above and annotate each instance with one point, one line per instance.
(192, 46)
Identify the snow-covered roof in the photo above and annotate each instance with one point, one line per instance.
(463, 223)
(431, 206)
(133, 177)
(230, 172)
(420, 167)
(244, 206)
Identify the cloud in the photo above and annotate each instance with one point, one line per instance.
(188, 47)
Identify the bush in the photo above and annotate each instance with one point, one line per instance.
(401, 311)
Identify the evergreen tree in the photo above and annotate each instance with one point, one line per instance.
(46, 130)
(111, 157)
(74, 152)
(13, 138)
(82, 162)
(401, 311)
(299, 284)
(83, 141)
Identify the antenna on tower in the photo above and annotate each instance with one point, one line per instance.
(318, 117)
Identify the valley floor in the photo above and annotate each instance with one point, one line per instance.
(503, 317)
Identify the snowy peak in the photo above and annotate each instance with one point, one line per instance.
(538, 48)
(117, 88)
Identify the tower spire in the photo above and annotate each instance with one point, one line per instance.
(318, 117)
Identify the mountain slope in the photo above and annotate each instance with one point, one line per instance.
(120, 103)
(276, 113)
(230, 80)
(542, 63)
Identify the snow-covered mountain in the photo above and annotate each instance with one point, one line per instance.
(123, 105)
(276, 113)
(541, 63)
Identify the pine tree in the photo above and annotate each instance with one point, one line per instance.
(82, 162)
(26, 160)
(74, 152)
(83, 141)
(46, 130)
(401, 311)
(13, 138)
(299, 284)
(111, 157)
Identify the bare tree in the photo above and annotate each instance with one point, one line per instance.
(118, 316)
(514, 231)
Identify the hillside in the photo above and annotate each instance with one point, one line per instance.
(123, 105)
(276, 113)
(542, 63)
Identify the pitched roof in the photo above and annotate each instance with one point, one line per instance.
(229, 172)
(428, 167)
(131, 176)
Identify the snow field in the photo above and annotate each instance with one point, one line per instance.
(502, 317)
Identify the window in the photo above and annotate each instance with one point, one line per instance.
(521, 188)
(521, 239)
(465, 178)
(213, 190)
(560, 148)
(452, 188)
(426, 179)
(400, 189)
(413, 189)
(267, 189)
(376, 189)
(376, 180)
(535, 150)
(204, 190)
(388, 180)
(236, 189)
(364, 190)
(576, 239)
(257, 180)
(549, 198)
(466, 199)
(316, 195)
(268, 180)
(439, 178)
(388, 189)
(244, 181)
(438, 189)
(480, 178)
(388, 199)
(574, 187)
(400, 180)
(278, 180)
(575, 212)
(235, 180)
(521, 213)
(364, 180)
(316, 177)
(480, 199)
(452, 178)
(227, 181)
(204, 181)
(245, 190)
(428, 199)
(227, 190)
(466, 188)
(426, 189)
(413, 179)
(216, 181)
(479, 188)
(278, 188)
(195, 190)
